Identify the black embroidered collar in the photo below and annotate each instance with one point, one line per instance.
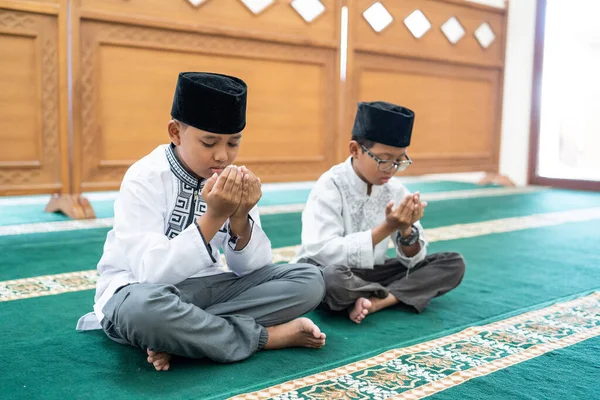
(180, 170)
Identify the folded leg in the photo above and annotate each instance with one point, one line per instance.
(153, 316)
(436, 275)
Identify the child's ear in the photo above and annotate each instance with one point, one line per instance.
(174, 129)
(354, 148)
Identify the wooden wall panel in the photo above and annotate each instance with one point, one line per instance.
(396, 38)
(454, 89)
(30, 153)
(126, 80)
(126, 55)
(278, 21)
(454, 106)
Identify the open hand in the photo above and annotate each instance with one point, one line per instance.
(406, 214)
(223, 193)
(251, 193)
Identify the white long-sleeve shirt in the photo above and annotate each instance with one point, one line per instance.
(339, 216)
(155, 238)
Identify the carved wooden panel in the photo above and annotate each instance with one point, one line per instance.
(29, 110)
(418, 28)
(275, 19)
(128, 76)
(457, 109)
(444, 59)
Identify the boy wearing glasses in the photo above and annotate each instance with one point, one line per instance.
(354, 210)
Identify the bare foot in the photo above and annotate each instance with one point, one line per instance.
(161, 361)
(379, 304)
(301, 332)
(360, 310)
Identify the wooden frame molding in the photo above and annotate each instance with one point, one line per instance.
(470, 73)
(42, 170)
(100, 28)
(536, 112)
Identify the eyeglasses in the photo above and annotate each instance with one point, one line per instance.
(388, 165)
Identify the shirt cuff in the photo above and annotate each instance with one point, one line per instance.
(410, 262)
(208, 247)
(233, 240)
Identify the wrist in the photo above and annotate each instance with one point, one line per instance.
(405, 231)
(209, 226)
(408, 239)
(239, 226)
(239, 217)
(387, 228)
(211, 218)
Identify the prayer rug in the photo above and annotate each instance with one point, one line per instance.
(427, 368)
(523, 251)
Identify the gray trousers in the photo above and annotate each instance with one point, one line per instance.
(437, 274)
(222, 317)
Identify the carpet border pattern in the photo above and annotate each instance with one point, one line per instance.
(59, 226)
(85, 280)
(424, 369)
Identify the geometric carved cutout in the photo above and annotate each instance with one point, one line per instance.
(257, 6)
(453, 30)
(485, 36)
(378, 17)
(308, 9)
(417, 23)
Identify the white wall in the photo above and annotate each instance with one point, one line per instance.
(518, 79)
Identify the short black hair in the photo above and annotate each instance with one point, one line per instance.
(363, 142)
(183, 125)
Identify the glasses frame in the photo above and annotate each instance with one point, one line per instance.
(398, 166)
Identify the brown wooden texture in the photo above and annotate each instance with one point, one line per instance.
(88, 105)
(454, 89)
(126, 75)
(277, 22)
(30, 131)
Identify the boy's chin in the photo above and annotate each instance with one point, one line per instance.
(382, 181)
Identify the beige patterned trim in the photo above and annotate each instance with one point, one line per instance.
(264, 210)
(451, 195)
(287, 254)
(47, 285)
(281, 209)
(463, 231)
(486, 192)
(514, 328)
(464, 376)
(43, 227)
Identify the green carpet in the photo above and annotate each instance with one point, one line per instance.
(81, 250)
(442, 186)
(569, 373)
(506, 273)
(33, 213)
(286, 229)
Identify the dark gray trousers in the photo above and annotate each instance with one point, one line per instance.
(222, 317)
(437, 274)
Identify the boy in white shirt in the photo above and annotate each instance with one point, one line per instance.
(354, 210)
(162, 285)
